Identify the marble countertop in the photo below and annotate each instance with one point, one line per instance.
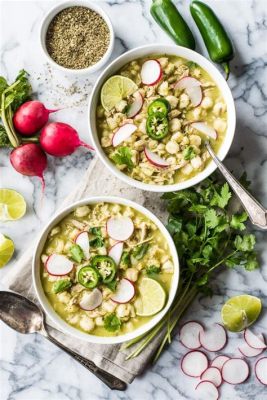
(31, 368)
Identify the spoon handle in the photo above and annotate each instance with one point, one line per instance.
(256, 212)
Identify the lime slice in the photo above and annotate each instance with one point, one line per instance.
(12, 205)
(6, 250)
(152, 297)
(115, 89)
(239, 312)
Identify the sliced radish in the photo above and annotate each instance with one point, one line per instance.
(82, 239)
(235, 371)
(261, 370)
(120, 228)
(156, 160)
(115, 252)
(189, 335)
(205, 129)
(151, 72)
(248, 351)
(212, 374)
(213, 339)
(253, 340)
(91, 300)
(192, 87)
(219, 361)
(123, 133)
(207, 391)
(194, 363)
(124, 293)
(136, 106)
(58, 265)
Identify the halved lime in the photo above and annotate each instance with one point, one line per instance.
(239, 312)
(12, 205)
(6, 249)
(115, 89)
(151, 299)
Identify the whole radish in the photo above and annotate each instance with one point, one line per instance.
(30, 117)
(29, 159)
(59, 139)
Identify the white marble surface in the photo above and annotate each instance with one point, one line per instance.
(31, 368)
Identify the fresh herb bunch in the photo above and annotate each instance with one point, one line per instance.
(207, 235)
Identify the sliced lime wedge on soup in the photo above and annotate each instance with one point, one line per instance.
(151, 299)
(12, 205)
(115, 89)
(6, 249)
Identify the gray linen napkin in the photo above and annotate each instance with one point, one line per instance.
(96, 181)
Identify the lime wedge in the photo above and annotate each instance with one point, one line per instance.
(115, 89)
(239, 312)
(6, 250)
(12, 205)
(151, 299)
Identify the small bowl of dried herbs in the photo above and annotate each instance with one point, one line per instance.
(77, 37)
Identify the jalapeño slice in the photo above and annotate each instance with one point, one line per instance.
(161, 106)
(106, 267)
(88, 277)
(157, 126)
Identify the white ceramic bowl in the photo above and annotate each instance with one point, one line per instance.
(53, 12)
(58, 321)
(149, 50)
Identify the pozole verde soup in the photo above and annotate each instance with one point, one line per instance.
(153, 125)
(106, 269)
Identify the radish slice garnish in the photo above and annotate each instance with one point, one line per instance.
(124, 293)
(248, 351)
(253, 340)
(219, 361)
(156, 160)
(235, 371)
(115, 252)
(91, 300)
(136, 106)
(82, 240)
(58, 265)
(151, 72)
(120, 228)
(189, 335)
(205, 129)
(207, 391)
(123, 133)
(213, 339)
(194, 363)
(261, 370)
(193, 89)
(213, 375)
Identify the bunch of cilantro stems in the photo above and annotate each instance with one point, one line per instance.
(208, 234)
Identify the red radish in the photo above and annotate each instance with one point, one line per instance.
(219, 361)
(124, 293)
(136, 106)
(261, 370)
(59, 139)
(115, 252)
(91, 300)
(207, 390)
(120, 228)
(194, 363)
(205, 129)
(156, 160)
(213, 339)
(192, 87)
(151, 72)
(58, 265)
(29, 159)
(248, 351)
(253, 340)
(189, 335)
(123, 133)
(235, 371)
(212, 374)
(82, 240)
(30, 117)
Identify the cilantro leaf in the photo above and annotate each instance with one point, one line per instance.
(4, 140)
(123, 156)
(125, 259)
(189, 153)
(237, 221)
(212, 220)
(152, 270)
(77, 253)
(221, 199)
(245, 242)
(97, 242)
(140, 251)
(96, 231)
(112, 323)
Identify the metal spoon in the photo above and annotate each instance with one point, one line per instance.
(256, 212)
(24, 316)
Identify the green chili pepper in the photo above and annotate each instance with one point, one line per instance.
(157, 126)
(161, 106)
(217, 41)
(170, 20)
(106, 267)
(88, 277)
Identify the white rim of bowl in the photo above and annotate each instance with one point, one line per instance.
(47, 307)
(49, 17)
(215, 75)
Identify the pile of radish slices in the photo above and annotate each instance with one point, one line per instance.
(223, 368)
